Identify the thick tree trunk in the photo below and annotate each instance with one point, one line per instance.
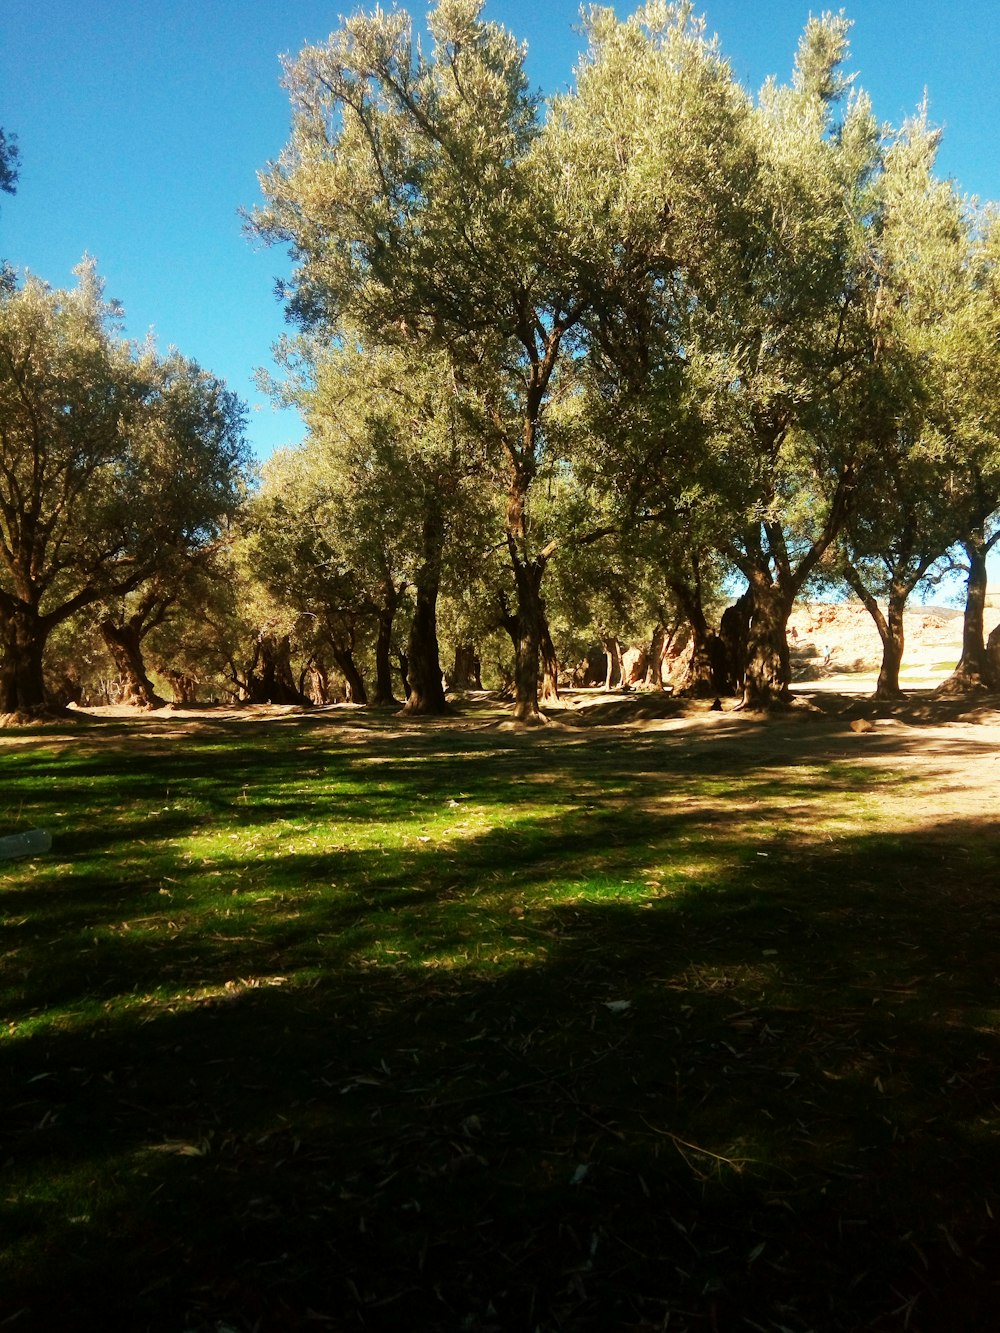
(659, 648)
(183, 685)
(734, 632)
(768, 674)
(528, 648)
(973, 671)
(314, 682)
(270, 679)
(23, 634)
(890, 631)
(427, 696)
(893, 643)
(383, 646)
(354, 682)
(529, 629)
(776, 574)
(709, 672)
(466, 673)
(124, 643)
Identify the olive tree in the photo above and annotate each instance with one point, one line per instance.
(429, 205)
(112, 458)
(901, 519)
(402, 476)
(735, 376)
(968, 434)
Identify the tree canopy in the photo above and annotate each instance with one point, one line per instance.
(657, 329)
(112, 458)
(9, 162)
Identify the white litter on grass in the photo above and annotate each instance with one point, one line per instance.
(618, 1006)
(33, 842)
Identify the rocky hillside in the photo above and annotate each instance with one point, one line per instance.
(829, 639)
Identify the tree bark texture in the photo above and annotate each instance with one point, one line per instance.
(383, 645)
(973, 671)
(890, 631)
(23, 633)
(768, 673)
(550, 666)
(734, 631)
(270, 679)
(529, 629)
(427, 696)
(657, 654)
(183, 685)
(893, 643)
(709, 671)
(124, 643)
(354, 682)
(314, 682)
(466, 673)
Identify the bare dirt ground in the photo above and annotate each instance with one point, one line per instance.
(948, 749)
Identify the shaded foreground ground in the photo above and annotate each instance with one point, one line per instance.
(654, 1019)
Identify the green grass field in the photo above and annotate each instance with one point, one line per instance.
(364, 1025)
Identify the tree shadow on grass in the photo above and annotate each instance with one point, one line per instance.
(765, 1100)
(155, 914)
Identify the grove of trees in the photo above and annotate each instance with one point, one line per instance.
(573, 371)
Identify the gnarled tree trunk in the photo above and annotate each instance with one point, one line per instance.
(657, 654)
(974, 670)
(709, 671)
(529, 628)
(427, 696)
(550, 666)
(183, 685)
(124, 643)
(776, 571)
(354, 682)
(391, 596)
(768, 672)
(890, 631)
(466, 673)
(23, 634)
(734, 632)
(893, 642)
(270, 679)
(314, 682)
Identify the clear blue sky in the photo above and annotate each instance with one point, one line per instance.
(142, 126)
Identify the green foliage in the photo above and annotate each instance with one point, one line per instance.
(10, 161)
(663, 303)
(115, 463)
(402, 188)
(111, 457)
